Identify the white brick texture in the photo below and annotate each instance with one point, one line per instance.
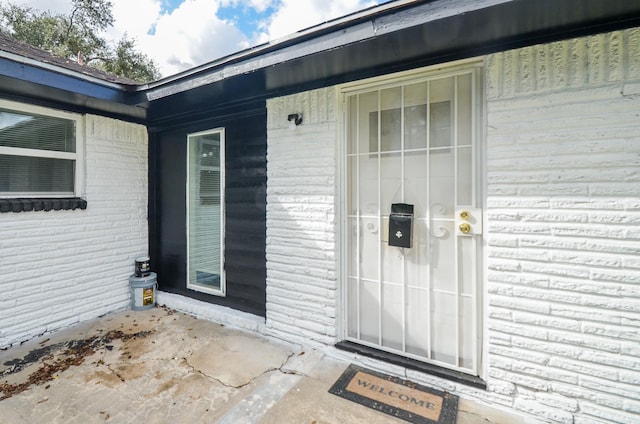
(58, 268)
(301, 223)
(562, 274)
(563, 172)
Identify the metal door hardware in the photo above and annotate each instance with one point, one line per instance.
(468, 221)
(465, 228)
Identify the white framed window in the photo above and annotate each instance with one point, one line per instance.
(41, 152)
(205, 212)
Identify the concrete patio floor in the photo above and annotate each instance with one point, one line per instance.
(162, 366)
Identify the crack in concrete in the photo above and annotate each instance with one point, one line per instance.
(291, 372)
(238, 387)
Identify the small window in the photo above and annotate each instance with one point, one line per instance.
(40, 152)
(205, 206)
(415, 126)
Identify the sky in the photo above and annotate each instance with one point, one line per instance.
(181, 34)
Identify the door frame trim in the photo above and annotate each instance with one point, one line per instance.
(379, 83)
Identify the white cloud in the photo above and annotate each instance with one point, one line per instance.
(294, 15)
(188, 36)
(57, 6)
(192, 34)
(135, 18)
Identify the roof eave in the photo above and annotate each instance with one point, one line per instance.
(516, 23)
(24, 78)
(417, 34)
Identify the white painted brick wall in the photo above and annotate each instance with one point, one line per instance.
(562, 234)
(563, 171)
(58, 268)
(301, 223)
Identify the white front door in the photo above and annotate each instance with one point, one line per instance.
(414, 141)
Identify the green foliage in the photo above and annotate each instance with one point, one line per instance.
(125, 60)
(77, 34)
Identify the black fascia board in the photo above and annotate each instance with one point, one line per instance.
(379, 40)
(47, 86)
(419, 34)
(453, 38)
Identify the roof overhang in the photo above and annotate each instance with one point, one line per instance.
(23, 78)
(395, 36)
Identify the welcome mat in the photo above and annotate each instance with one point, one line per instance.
(397, 397)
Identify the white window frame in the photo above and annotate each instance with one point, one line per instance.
(223, 278)
(78, 157)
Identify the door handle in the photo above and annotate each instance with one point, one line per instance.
(465, 228)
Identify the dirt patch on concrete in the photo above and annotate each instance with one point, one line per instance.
(58, 357)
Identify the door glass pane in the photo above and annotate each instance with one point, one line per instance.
(390, 116)
(441, 95)
(367, 126)
(415, 116)
(205, 205)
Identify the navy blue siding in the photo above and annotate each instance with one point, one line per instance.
(245, 216)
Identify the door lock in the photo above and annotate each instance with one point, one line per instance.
(465, 228)
(468, 221)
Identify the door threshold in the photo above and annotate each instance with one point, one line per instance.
(445, 373)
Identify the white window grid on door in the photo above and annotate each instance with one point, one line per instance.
(354, 213)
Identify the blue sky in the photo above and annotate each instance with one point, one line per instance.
(246, 19)
(181, 34)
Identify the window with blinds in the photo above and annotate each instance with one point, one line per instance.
(39, 152)
(205, 204)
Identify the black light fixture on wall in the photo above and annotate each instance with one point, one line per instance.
(294, 119)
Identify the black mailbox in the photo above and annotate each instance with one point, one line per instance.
(401, 225)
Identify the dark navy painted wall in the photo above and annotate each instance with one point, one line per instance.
(245, 194)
